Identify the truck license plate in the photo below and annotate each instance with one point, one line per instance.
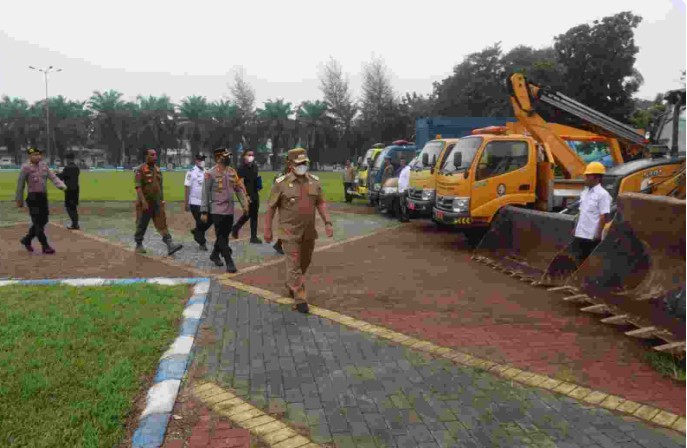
(411, 206)
(440, 215)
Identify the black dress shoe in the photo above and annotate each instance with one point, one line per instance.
(302, 308)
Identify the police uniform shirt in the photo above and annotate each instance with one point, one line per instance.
(36, 176)
(594, 202)
(296, 199)
(194, 180)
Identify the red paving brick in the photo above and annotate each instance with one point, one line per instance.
(425, 285)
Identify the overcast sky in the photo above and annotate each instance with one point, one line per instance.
(194, 47)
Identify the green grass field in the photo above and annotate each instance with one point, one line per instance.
(119, 186)
(72, 359)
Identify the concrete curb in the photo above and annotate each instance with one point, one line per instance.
(162, 395)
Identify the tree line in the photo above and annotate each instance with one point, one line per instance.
(593, 63)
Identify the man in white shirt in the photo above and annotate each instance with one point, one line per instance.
(403, 182)
(193, 189)
(595, 212)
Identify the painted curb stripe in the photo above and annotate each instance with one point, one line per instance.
(244, 415)
(584, 395)
(162, 396)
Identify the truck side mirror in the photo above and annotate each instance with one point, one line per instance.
(457, 159)
(425, 159)
(369, 162)
(434, 160)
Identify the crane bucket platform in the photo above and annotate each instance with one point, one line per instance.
(638, 270)
(523, 242)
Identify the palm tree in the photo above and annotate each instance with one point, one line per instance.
(226, 124)
(70, 121)
(196, 121)
(275, 117)
(18, 124)
(313, 115)
(114, 123)
(157, 122)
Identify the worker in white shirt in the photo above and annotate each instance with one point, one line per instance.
(193, 189)
(403, 182)
(595, 212)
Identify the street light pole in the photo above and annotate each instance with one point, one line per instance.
(47, 104)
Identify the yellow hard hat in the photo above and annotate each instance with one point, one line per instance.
(595, 168)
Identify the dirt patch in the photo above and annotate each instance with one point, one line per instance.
(421, 281)
(76, 256)
(355, 208)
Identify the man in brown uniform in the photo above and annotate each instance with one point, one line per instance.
(150, 203)
(296, 195)
(348, 178)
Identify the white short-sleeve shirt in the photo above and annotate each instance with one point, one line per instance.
(404, 179)
(194, 180)
(594, 202)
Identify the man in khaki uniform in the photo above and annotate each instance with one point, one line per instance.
(296, 195)
(348, 178)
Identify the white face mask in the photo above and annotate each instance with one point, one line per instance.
(201, 164)
(250, 159)
(300, 170)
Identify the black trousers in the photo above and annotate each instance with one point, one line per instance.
(38, 210)
(347, 186)
(403, 205)
(253, 209)
(201, 227)
(223, 224)
(71, 202)
(583, 247)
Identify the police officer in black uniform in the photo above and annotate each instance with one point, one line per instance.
(70, 177)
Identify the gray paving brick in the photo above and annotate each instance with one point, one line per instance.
(268, 352)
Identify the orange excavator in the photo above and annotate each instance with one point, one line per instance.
(635, 278)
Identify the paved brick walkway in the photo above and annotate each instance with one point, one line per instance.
(352, 389)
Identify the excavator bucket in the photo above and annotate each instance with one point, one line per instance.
(523, 242)
(638, 271)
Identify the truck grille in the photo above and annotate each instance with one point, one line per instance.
(415, 193)
(445, 203)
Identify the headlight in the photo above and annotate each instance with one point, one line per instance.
(427, 194)
(376, 187)
(389, 190)
(461, 205)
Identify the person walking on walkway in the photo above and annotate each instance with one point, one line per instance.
(297, 195)
(35, 174)
(403, 182)
(348, 178)
(252, 182)
(193, 190)
(70, 177)
(279, 246)
(217, 205)
(150, 203)
(595, 210)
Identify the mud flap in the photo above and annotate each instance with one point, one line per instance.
(525, 241)
(639, 268)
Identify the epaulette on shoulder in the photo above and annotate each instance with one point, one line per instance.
(312, 176)
(280, 178)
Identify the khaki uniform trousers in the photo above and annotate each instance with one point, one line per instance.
(298, 258)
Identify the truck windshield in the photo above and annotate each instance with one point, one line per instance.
(432, 149)
(468, 146)
(368, 154)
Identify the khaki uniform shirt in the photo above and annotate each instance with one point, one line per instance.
(149, 180)
(349, 174)
(387, 174)
(296, 198)
(36, 177)
(219, 187)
